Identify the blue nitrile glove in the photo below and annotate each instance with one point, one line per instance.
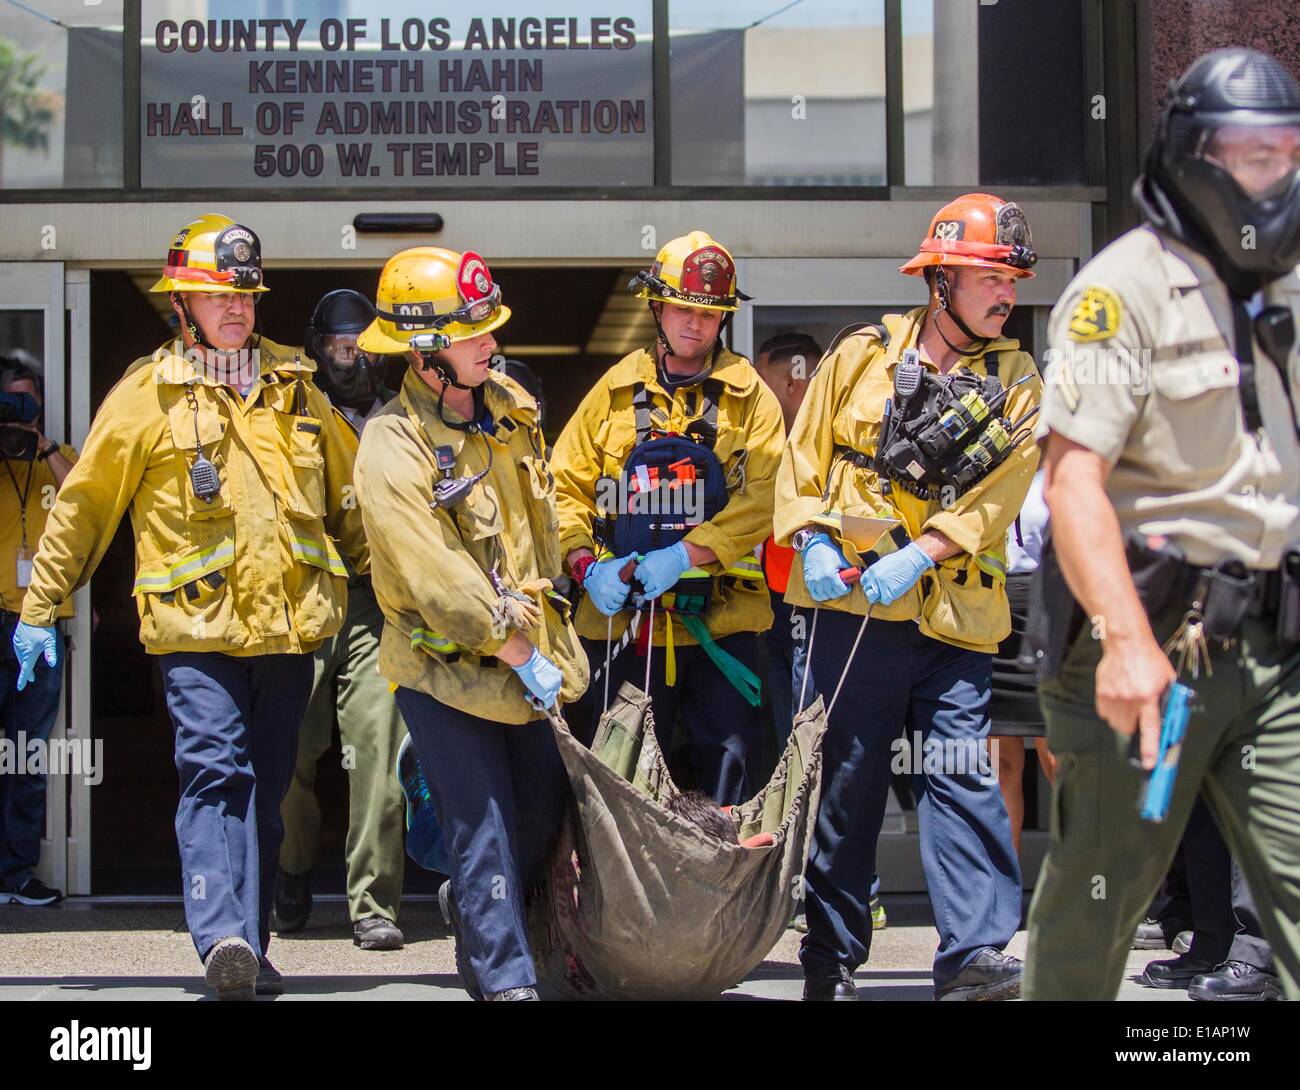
(541, 677)
(892, 576)
(822, 564)
(661, 569)
(605, 587)
(29, 641)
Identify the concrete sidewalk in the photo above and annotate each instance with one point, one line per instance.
(89, 949)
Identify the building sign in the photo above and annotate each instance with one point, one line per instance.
(503, 93)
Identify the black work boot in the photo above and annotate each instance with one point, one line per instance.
(269, 981)
(829, 983)
(377, 933)
(1235, 981)
(451, 916)
(292, 903)
(1150, 935)
(989, 975)
(1176, 972)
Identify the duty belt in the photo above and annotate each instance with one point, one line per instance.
(1260, 591)
(1222, 595)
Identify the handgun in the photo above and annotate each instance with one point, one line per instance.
(1158, 784)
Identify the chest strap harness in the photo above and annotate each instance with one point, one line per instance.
(942, 435)
(663, 461)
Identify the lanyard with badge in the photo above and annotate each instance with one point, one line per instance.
(25, 554)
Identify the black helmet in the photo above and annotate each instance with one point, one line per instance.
(354, 383)
(1188, 188)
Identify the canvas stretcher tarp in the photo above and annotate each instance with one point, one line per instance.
(641, 904)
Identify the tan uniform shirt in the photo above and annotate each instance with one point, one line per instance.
(35, 480)
(1143, 372)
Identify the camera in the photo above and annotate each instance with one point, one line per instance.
(17, 444)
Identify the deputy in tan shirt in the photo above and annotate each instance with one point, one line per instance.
(1170, 428)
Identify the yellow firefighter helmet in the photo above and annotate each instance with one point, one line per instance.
(430, 298)
(213, 254)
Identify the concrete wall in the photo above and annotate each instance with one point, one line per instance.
(553, 232)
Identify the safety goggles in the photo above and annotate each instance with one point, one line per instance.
(480, 310)
(661, 288)
(230, 298)
(472, 313)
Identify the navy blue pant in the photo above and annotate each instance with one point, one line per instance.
(236, 727)
(784, 671)
(726, 730)
(902, 681)
(29, 714)
(500, 791)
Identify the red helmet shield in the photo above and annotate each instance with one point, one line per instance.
(709, 271)
(473, 278)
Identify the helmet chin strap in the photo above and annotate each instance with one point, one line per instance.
(196, 334)
(663, 337)
(714, 348)
(447, 377)
(941, 288)
(191, 326)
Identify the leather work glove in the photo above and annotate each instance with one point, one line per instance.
(892, 576)
(542, 679)
(29, 642)
(605, 587)
(822, 563)
(661, 569)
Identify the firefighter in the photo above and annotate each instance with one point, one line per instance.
(347, 689)
(459, 507)
(693, 538)
(921, 421)
(233, 468)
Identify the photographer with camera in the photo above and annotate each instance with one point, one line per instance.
(34, 471)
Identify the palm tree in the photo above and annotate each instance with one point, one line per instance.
(25, 113)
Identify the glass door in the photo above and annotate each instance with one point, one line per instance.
(34, 328)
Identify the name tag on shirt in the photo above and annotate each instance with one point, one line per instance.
(24, 568)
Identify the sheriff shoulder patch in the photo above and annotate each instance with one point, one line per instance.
(1096, 316)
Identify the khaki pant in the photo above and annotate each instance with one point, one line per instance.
(1242, 752)
(348, 685)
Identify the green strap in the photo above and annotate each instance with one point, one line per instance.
(735, 671)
